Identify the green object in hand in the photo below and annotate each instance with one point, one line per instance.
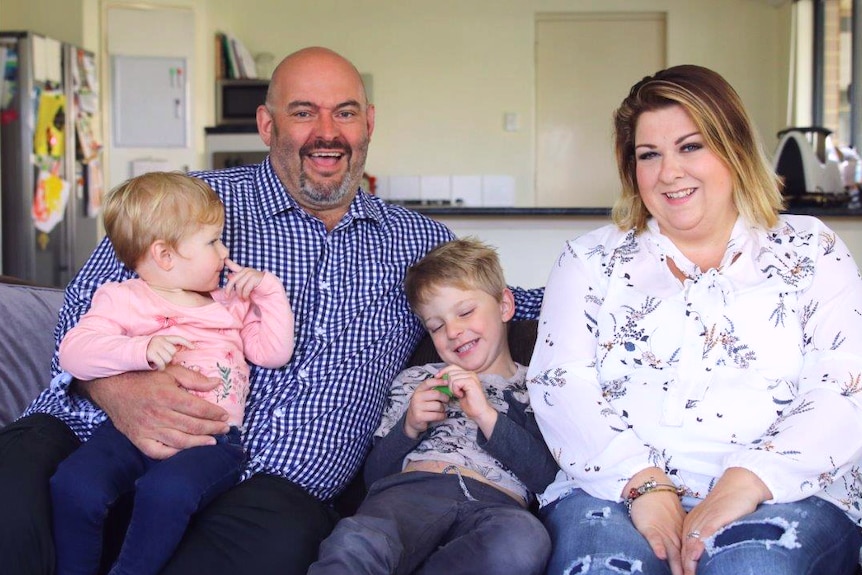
(444, 388)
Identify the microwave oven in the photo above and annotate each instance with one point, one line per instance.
(237, 101)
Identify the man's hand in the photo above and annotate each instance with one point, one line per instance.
(155, 413)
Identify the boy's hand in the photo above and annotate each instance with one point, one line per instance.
(162, 349)
(241, 281)
(427, 406)
(467, 388)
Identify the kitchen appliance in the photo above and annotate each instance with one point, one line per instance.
(232, 145)
(809, 166)
(50, 166)
(237, 101)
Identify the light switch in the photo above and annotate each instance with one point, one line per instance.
(511, 122)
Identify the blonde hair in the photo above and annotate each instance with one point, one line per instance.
(717, 111)
(164, 206)
(463, 263)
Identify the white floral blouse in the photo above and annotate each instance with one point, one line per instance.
(757, 364)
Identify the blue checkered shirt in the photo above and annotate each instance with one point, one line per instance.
(312, 420)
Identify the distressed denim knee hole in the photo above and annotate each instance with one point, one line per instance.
(602, 513)
(624, 565)
(578, 566)
(617, 564)
(769, 532)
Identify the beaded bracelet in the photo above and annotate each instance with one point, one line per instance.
(651, 486)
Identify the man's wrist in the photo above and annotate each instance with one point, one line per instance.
(82, 388)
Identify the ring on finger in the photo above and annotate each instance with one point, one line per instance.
(695, 534)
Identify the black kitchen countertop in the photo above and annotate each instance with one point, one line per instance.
(447, 210)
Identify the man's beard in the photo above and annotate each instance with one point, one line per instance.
(332, 193)
(325, 194)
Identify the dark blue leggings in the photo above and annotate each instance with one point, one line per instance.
(166, 495)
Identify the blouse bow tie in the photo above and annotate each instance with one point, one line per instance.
(709, 288)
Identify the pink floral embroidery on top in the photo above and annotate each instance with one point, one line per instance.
(166, 321)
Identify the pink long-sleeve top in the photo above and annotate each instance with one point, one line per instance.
(112, 337)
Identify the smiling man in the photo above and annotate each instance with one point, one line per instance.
(342, 255)
(317, 122)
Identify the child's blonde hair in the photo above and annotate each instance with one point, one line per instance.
(164, 206)
(463, 263)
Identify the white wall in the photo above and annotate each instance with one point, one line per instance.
(60, 19)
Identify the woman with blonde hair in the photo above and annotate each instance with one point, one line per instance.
(698, 366)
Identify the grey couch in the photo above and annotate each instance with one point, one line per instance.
(28, 315)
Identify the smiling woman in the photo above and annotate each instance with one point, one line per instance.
(685, 186)
(686, 351)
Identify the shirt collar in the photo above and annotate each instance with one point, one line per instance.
(364, 207)
(740, 235)
(274, 198)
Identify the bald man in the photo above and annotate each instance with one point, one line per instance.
(341, 254)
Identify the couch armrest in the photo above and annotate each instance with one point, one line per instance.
(28, 315)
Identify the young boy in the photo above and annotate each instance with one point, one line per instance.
(458, 455)
(167, 227)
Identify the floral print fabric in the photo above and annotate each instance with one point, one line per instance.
(454, 439)
(756, 364)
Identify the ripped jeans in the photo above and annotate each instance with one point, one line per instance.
(809, 537)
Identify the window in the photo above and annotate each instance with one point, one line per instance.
(836, 107)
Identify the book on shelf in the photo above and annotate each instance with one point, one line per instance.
(220, 64)
(233, 60)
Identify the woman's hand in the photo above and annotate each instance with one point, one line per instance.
(737, 493)
(658, 516)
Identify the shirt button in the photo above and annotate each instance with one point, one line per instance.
(278, 412)
(319, 331)
(324, 285)
(303, 373)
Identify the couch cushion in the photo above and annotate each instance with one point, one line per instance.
(28, 316)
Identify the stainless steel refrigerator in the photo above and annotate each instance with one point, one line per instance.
(50, 174)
